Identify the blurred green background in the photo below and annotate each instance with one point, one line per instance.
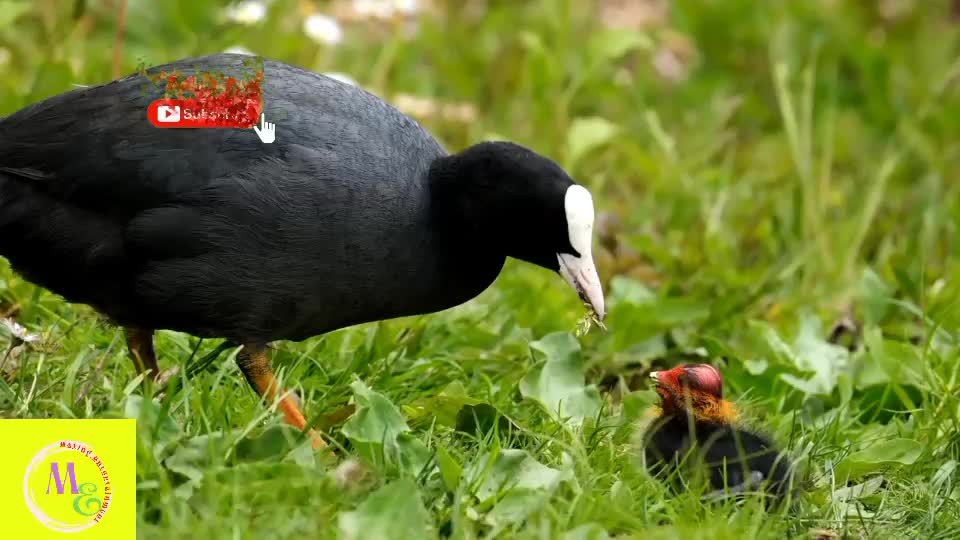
(778, 194)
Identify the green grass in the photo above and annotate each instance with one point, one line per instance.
(804, 172)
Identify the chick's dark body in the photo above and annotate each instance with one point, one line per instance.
(725, 453)
(211, 232)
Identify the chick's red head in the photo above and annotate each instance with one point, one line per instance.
(694, 387)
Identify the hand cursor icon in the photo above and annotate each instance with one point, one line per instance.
(267, 131)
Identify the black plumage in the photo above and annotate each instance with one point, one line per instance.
(732, 458)
(696, 434)
(356, 213)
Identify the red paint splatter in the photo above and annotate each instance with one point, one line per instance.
(210, 99)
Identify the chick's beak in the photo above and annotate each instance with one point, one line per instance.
(582, 275)
(659, 385)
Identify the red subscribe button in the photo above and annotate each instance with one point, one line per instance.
(198, 113)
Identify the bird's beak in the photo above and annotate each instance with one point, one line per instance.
(658, 383)
(582, 275)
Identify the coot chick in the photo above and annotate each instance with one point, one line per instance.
(355, 214)
(696, 433)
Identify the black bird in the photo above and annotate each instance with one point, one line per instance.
(355, 214)
(696, 433)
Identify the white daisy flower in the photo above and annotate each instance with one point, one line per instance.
(406, 7)
(239, 49)
(19, 331)
(246, 12)
(323, 29)
(342, 77)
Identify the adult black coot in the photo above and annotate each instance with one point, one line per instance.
(355, 214)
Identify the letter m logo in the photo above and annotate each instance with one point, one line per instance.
(55, 478)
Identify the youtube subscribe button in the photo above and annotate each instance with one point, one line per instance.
(194, 113)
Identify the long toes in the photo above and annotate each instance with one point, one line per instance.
(316, 440)
(164, 376)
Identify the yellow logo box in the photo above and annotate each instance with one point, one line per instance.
(69, 478)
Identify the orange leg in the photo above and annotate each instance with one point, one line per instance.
(255, 365)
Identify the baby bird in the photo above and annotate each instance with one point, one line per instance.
(695, 431)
